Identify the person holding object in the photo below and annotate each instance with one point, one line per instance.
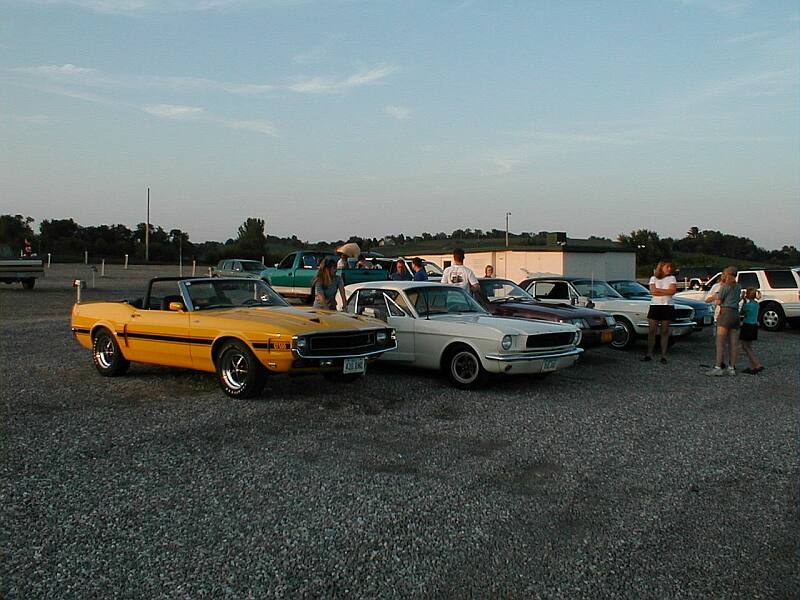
(419, 269)
(326, 284)
(728, 298)
(663, 286)
(749, 331)
(458, 274)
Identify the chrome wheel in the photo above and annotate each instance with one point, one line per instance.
(772, 318)
(624, 335)
(234, 370)
(104, 352)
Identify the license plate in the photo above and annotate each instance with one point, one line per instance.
(354, 365)
(549, 365)
(606, 336)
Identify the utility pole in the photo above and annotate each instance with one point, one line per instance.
(508, 214)
(147, 231)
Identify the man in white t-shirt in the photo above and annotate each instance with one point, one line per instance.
(458, 274)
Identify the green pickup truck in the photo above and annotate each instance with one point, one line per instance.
(23, 269)
(293, 275)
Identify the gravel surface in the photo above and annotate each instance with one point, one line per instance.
(613, 479)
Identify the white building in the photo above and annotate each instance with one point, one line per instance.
(562, 256)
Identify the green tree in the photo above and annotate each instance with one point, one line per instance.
(251, 239)
(14, 230)
(649, 247)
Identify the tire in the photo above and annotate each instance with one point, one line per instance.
(239, 373)
(625, 338)
(28, 283)
(337, 377)
(107, 356)
(464, 369)
(771, 317)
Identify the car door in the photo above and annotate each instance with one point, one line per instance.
(304, 274)
(390, 308)
(282, 278)
(156, 334)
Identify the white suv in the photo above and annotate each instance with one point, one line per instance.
(780, 294)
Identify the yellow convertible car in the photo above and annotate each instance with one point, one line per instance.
(239, 328)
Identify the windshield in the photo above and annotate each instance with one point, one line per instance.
(595, 289)
(502, 290)
(439, 300)
(253, 267)
(630, 288)
(433, 269)
(228, 293)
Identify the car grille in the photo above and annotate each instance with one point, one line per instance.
(341, 343)
(683, 313)
(549, 340)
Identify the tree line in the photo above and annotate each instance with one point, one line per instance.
(67, 240)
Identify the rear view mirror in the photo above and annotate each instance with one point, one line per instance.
(176, 306)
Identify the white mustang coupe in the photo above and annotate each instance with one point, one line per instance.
(441, 327)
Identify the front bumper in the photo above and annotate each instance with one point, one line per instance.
(528, 363)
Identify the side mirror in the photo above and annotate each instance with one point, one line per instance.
(573, 300)
(176, 306)
(589, 304)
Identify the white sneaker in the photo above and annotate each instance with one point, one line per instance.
(730, 371)
(716, 372)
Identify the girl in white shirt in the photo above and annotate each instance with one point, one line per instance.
(663, 286)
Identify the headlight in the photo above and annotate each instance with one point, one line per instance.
(381, 337)
(301, 343)
(610, 321)
(578, 337)
(506, 342)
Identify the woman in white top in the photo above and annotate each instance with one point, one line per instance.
(663, 286)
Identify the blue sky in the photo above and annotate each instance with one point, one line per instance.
(341, 117)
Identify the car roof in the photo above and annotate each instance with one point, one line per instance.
(562, 278)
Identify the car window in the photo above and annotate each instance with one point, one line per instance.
(162, 293)
(431, 301)
(287, 263)
(310, 261)
(781, 279)
(498, 290)
(237, 266)
(747, 280)
(711, 282)
(372, 303)
(552, 290)
(228, 293)
(630, 288)
(595, 289)
(253, 266)
(433, 269)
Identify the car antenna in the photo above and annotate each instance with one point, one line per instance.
(427, 308)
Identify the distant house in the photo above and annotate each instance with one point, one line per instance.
(560, 256)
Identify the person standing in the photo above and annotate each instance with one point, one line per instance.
(728, 298)
(488, 272)
(458, 274)
(400, 273)
(663, 287)
(419, 269)
(749, 331)
(326, 284)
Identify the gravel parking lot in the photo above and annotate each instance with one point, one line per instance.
(613, 479)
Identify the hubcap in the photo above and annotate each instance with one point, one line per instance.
(621, 336)
(771, 318)
(104, 352)
(234, 370)
(464, 367)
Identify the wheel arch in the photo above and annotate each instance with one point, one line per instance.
(112, 330)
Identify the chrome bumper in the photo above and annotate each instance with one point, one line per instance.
(533, 357)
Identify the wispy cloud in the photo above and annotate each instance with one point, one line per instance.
(195, 113)
(333, 85)
(133, 7)
(745, 38)
(89, 77)
(733, 8)
(500, 166)
(397, 112)
(173, 111)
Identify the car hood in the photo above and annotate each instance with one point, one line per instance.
(290, 319)
(616, 305)
(501, 325)
(562, 311)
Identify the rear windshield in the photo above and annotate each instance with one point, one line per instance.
(781, 280)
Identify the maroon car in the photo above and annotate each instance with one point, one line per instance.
(504, 298)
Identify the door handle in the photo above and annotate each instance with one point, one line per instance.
(135, 315)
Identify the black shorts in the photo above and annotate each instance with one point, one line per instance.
(748, 332)
(661, 312)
